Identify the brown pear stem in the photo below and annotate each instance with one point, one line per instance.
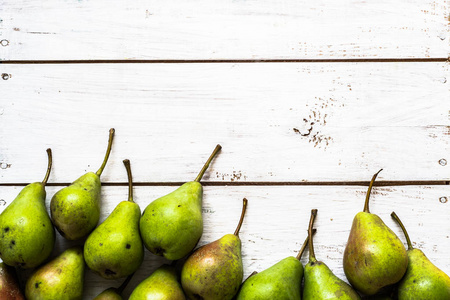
(126, 162)
(312, 256)
(49, 166)
(124, 284)
(244, 208)
(366, 204)
(396, 218)
(305, 243)
(206, 165)
(108, 151)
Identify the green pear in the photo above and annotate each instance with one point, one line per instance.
(114, 249)
(214, 271)
(60, 279)
(9, 286)
(320, 282)
(172, 225)
(281, 281)
(161, 285)
(423, 280)
(114, 293)
(75, 209)
(374, 256)
(27, 233)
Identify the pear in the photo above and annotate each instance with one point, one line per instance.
(9, 286)
(114, 293)
(374, 256)
(281, 281)
(161, 285)
(172, 225)
(27, 233)
(423, 280)
(214, 271)
(60, 279)
(75, 209)
(114, 249)
(320, 282)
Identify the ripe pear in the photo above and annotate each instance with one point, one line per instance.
(281, 281)
(60, 279)
(423, 280)
(172, 225)
(114, 249)
(161, 285)
(320, 282)
(114, 293)
(75, 209)
(374, 256)
(9, 286)
(27, 233)
(214, 271)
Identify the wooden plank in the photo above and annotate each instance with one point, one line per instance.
(276, 122)
(277, 219)
(214, 29)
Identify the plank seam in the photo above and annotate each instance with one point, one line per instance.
(263, 183)
(201, 61)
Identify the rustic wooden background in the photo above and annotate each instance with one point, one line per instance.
(308, 100)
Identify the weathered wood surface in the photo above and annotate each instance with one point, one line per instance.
(216, 29)
(277, 219)
(280, 122)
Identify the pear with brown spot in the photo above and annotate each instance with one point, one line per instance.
(114, 249)
(27, 236)
(374, 257)
(60, 279)
(214, 271)
(75, 209)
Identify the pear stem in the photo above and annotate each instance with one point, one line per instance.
(244, 208)
(126, 162)
(124, 284)
(366, 204)
(396, 218)
(108, 151)
(49, 166)
(206, 165)
(312, 255)
(305, 243)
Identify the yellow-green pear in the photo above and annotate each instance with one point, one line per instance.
(60, 279)
(214, 271)
(374, 257)
(27, 235)
(320, 282)
(75, 209)
(114, 249)
(172, 225)
(113, 293)
(161, 285)
(281, 281)
(423, 280)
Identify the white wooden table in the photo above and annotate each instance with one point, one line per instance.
(307, 98)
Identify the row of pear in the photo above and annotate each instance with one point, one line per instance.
(171, 226)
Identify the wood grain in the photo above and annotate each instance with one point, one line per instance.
(214, 29)
(276, 122)
(277, 219)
